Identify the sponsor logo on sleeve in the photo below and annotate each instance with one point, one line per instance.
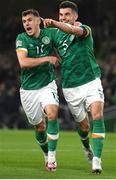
(18, 43)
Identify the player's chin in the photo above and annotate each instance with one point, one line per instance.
(29, 33)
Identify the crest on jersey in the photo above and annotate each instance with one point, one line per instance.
(31, 45)
(18, 43)
(46, 40)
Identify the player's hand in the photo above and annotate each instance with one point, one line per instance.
(53, 60)
(77, 23)
(48, 22)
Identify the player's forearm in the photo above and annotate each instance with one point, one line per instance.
(68, 28)
(32, 62)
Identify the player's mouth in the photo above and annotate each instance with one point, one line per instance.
(29, 30)
(67, 22)
(64, 21)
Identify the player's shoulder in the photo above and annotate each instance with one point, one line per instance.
(49, 30)
(22, 40)
(86, 27)
(21, 36)
(87, 30)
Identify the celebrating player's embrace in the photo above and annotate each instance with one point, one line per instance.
(80, 78)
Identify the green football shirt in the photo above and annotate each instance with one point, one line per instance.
(78, 63)
(39, 76)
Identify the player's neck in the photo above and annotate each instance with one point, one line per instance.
(37, 33)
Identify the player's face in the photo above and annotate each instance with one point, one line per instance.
(67, 15)
(31, 25)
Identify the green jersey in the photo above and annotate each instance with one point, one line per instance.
(39, 76)
(78, 64)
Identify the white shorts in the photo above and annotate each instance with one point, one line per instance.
(80, 98)
(34, 101)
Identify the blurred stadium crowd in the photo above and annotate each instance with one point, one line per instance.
(11, 112)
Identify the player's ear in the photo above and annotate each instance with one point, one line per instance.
(76, 16)
(39, 20)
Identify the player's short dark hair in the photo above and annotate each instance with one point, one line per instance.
(30, 11)
(69, 4)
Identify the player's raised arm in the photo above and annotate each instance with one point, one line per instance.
(66, 27)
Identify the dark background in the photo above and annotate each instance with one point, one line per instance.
(100, 15)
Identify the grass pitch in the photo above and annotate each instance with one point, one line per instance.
(21, 157)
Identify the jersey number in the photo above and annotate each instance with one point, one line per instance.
(39, 49)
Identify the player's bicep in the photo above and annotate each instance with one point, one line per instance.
(21, 54)
(86, 31)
